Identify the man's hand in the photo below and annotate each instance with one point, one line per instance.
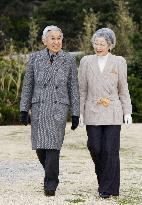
(24, 118)
(128, 119)
(75, 122)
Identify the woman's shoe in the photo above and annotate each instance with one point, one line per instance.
(104, 195)
(49, 192)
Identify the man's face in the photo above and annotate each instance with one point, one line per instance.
(53, 41)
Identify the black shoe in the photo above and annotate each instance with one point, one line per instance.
(49, 192)
(104, 195)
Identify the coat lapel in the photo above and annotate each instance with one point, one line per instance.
(48, 69)
(56, 65)
(105, 75)
(44, 65)
(95, 67)
(93, 64)
(109, 65)
(102, 78)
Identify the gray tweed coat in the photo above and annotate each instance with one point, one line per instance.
(49, 90)
(111, 84)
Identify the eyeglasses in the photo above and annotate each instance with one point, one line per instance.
(100, 45)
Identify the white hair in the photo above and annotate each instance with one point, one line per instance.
(51, 28)
(108, 35)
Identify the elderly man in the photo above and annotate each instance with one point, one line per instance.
(50, 88)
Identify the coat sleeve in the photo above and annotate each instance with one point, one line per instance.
(82, 84)
(73, 88)
(28, 86)
(123, 90)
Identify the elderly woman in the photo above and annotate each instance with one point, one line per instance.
(104, 100)
(50, 87)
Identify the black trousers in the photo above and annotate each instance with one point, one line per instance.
(104, 144)
(49, 158)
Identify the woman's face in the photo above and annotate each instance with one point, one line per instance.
(101, 46)
(53, 41)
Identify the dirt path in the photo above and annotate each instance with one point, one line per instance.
(21, 175)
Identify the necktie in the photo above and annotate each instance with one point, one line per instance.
(51, 58)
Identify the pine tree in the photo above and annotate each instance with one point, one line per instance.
(90, 24)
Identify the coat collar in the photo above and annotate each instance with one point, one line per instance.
(95, 67)
(50, 70)
(103, 78)
(44, 53)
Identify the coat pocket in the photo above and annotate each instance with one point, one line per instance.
(64, 101)
(35, 109)
(34, 113)
(60, 114)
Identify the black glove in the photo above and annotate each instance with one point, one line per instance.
(75, 122)
(24, 118)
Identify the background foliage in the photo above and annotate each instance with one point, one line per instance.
(21, 25)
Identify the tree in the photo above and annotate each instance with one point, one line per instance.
(90, 25)
(33, 35)
(135, 88)
(68, 15)
(124, 31)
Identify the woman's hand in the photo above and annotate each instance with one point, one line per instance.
(128, 119)
(81, 121)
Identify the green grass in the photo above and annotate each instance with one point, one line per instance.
(132, 197)
(63, 156)
(75, 201)
(76, 147)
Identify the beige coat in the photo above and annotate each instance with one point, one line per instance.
(111, 84)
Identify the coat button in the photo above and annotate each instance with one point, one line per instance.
(55, 102)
